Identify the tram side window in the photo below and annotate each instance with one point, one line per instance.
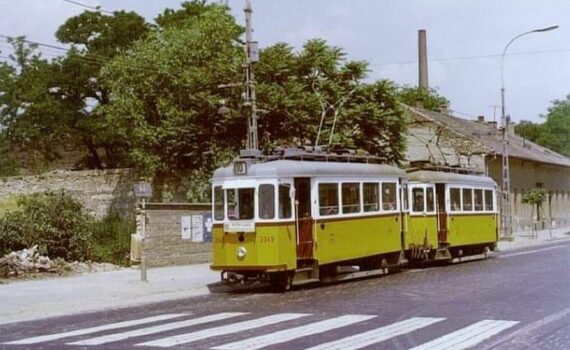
(418, 199)
(489, 200)
(328, 199)
(266, 201)
(478, 195)
(389, 196)
(350, 198)
(240, 203)
(371, 196)
(455, 199)
(467, 199)
(284, 202)
(430, 200)
(218, 203)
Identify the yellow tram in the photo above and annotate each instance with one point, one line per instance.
(302, 216)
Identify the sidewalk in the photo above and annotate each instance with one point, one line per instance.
(28, 300)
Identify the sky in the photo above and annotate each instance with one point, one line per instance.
(465, 41)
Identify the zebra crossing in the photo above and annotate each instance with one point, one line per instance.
(248, 331)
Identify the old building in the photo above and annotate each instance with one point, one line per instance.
(446, 139)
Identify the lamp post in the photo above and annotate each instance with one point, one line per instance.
(506, 218)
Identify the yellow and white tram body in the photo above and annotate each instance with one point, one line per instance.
(284, 218)
(450, 215)
(293, 220)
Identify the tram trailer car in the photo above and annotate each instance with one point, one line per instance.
(288, 220)
(451, 215)
(291, 221)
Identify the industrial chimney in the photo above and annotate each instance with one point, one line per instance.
(422, 59)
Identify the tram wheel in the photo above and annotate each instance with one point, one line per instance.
(282, 281)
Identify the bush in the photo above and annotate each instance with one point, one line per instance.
(112, 239)
(54, 221)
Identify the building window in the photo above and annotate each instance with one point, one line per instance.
(371, 196)
(284, 201)
(328, 199)
(218, 203)
(489, 200)
(478, 195)
(418, 200)
(350, 198)
(266, 201)
(389, 196)
(467, 199)
(455, 198)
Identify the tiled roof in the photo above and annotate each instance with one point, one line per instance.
(491, 137)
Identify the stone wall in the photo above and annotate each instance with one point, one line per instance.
(98, 190)
(168, 237)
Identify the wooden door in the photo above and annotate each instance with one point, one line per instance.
(304, 219)
(441, 213)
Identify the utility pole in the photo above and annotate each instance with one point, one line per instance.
(249, 99)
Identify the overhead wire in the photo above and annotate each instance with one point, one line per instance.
(95, 8)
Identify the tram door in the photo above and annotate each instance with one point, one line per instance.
(441, 213)
(304, 219)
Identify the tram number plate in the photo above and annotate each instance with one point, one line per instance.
(239, 227)
(266, 239)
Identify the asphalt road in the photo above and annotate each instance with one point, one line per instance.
(515, 300)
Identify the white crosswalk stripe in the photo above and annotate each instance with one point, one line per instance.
(222, 330)
(157, 329)
(107, 327)
(294, 333)
(468, 336)
(378, 335)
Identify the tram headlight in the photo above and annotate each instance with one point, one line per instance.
(241, 253)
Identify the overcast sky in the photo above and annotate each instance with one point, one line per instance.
(384, 32)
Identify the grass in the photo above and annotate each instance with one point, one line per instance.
(8, 204)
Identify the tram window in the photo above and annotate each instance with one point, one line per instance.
(240, 203)
(350, 198)
(478, 195)
(418, 199)
(218, 203)
(430, 200)
(467, 199)
(389, 196)
(284, 202)
(489, 200)
(328, 199)
(266, 201)
(455, 198)
(371, 196)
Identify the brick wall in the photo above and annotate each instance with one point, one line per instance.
(98, 190)
(164, 243)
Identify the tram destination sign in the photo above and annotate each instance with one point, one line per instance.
(243, 226)
(240, 168)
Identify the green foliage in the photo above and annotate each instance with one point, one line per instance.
(554, 133)
(112, 239)
(528, 130)
(8, 164)
(430, 99)
(167, 111)
(54, 221)
(535, 196)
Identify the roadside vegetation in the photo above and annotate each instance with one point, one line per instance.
(60, 228)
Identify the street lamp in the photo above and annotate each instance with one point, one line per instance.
(506, 219)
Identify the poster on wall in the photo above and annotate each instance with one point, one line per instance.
(197, 228)
(186, 227)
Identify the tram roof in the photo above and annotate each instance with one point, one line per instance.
(296, 168)
(446, 177)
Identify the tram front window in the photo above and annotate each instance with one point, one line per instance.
(240, 203)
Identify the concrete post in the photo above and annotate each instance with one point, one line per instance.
(422, 59)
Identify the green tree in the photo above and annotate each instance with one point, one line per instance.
(167, 110)
(528, 130)
(429, 98)
(555, 131)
